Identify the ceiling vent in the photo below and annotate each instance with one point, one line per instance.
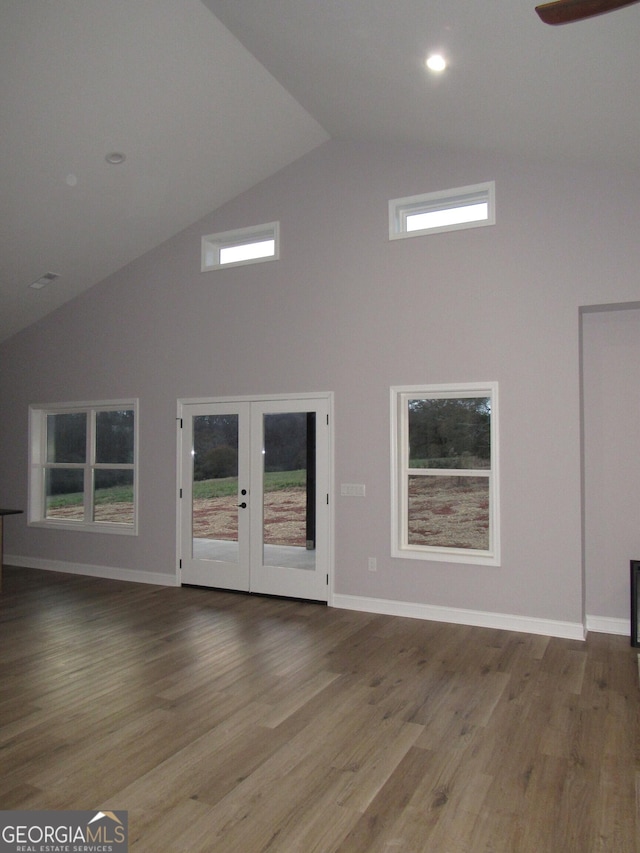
(44, 280)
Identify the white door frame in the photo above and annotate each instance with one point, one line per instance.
(180, 413)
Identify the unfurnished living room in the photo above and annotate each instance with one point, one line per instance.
(319, 369)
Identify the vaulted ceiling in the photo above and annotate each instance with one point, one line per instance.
(207, 97)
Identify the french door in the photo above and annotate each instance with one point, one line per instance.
(254, 506)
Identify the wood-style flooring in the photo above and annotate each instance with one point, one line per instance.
(226, 723)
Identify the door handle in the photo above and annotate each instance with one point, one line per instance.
(243, 505)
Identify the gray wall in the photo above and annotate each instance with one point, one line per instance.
(611, 346)
(345, 310)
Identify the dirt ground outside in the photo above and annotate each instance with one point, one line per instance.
(217, 518)
(117, 512)
(450, 512)
(454, 514)
(284, 518)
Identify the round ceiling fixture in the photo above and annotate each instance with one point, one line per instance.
(115, 158)
(436, 62)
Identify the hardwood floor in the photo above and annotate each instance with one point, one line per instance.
(224, 722)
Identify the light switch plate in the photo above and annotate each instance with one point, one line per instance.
(353, 490)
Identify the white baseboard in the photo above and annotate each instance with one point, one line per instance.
(388, 607)
(457, 616)
(109, 572)
(608, 625)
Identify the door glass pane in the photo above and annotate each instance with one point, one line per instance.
(449, 511)
(215, 487)
(64, 493)
(289, 490)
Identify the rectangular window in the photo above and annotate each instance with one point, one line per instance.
(449, 210)
(83, 462)
(243, 246)
(445, 472)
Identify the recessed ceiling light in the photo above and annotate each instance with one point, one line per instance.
(436, 62)
(115, 158)
(44, 280)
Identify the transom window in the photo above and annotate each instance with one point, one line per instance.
(243, 246)
(449, 210)
(83, 466)
(445, 473)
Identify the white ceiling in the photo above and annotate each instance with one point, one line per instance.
(208, 98)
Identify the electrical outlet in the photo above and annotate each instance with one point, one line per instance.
(373, 564)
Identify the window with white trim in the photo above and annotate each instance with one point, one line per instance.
(242, 246)
(448, 210)
(83, 466)
(445, 472)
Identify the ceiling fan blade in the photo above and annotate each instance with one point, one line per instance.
(567, 11)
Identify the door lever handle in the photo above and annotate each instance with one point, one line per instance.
(243, 505)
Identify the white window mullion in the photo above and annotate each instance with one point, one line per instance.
(89, 477)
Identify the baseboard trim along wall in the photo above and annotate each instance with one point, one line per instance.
(387, 607)
(109, 572)
(609, 625)
(457, 616)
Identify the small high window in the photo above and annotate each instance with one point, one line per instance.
(242, 246)
(450, 210)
